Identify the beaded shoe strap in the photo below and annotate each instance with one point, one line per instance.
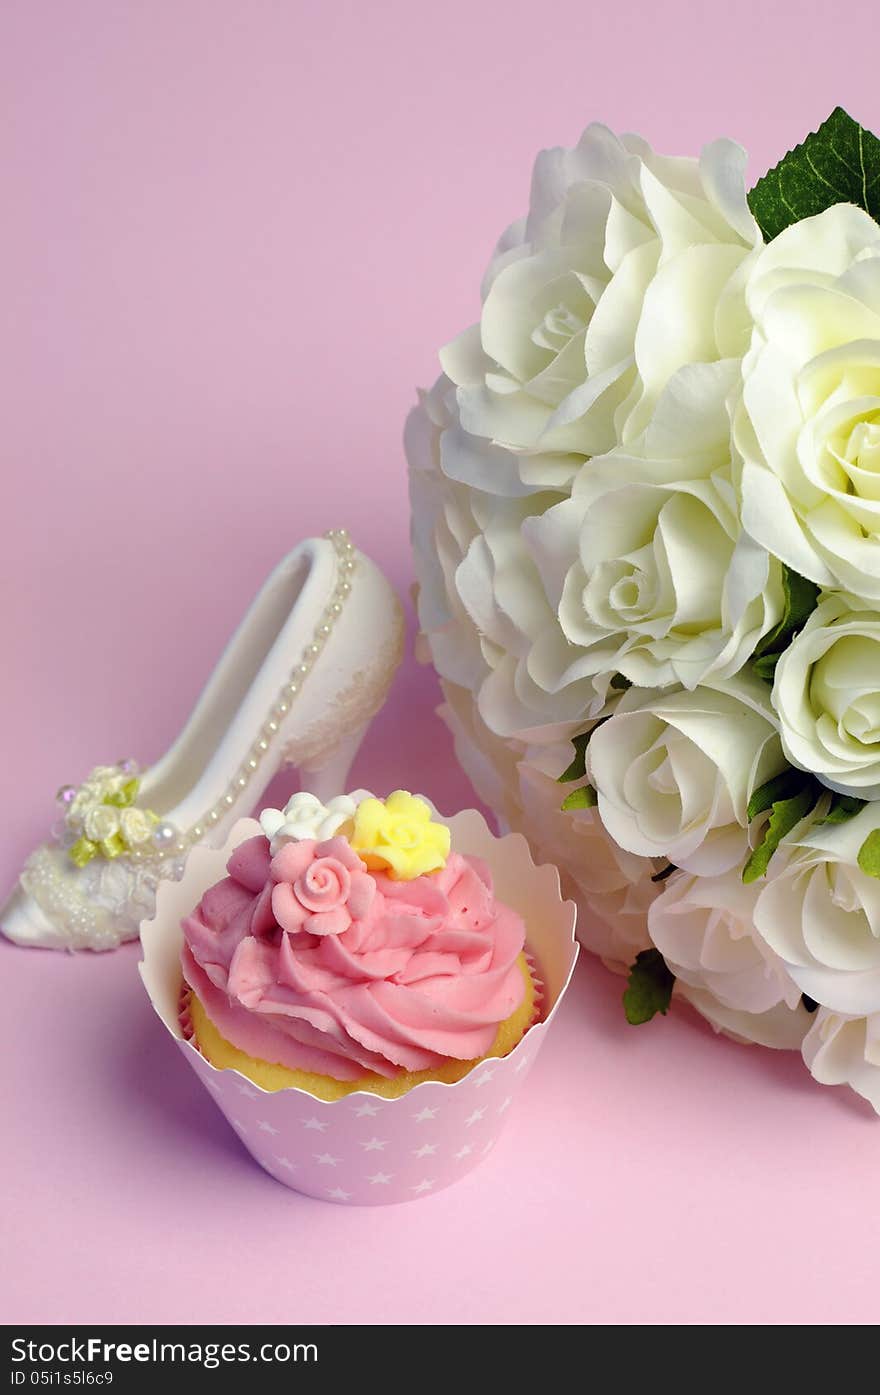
(101, 818)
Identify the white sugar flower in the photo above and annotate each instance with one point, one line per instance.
(304, 816)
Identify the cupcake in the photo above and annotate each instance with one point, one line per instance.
(350, 948)
(362, 986)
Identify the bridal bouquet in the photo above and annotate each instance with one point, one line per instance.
(646, 525)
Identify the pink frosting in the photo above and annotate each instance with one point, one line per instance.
(309, 960)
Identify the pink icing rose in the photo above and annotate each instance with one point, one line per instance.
(320, 887)
(309, 960)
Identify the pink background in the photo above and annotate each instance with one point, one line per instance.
(233, 236)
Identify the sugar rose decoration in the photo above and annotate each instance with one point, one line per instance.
(399, 835)
(645, 499)
(321, 887)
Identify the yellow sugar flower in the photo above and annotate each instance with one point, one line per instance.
(398, 836)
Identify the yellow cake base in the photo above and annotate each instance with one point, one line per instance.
(271, 1076)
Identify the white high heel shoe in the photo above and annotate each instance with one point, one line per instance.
(300, 681)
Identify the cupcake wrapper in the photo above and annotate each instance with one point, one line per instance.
(362, 1149)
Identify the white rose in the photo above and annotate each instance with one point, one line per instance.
(613, 886)
(481, 599)
(826, 691)
(490, 762)
(674, 773)
(704, 928)
(664, 588)
(841, 1050)
(808, 426)
(101, 821)
(618, 278)
(782, 1028)
(821, 913)
(136, 826)
(305, 816)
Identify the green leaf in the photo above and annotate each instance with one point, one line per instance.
(584, 797)
(838, 163)
(765, 666)
(785, 813)
(869, 854)
(649, 989)
(799, 597)
(780, 787)
(843, 807)
(578, 768)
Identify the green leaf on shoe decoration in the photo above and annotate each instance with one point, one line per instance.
(838, 163)
(584, 797)
(784, 814)
(799, 601)
(869, 854)
(649, 989)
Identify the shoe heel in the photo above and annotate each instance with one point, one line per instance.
(327, 775)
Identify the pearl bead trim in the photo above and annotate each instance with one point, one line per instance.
(167, 838)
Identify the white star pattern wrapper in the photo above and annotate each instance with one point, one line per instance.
(363, 1149)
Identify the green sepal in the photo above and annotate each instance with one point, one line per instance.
(584, 797)
(869, 854)
(782, 786)
(784, 815)
(838, 163)
(649, 989)
(578, 768)
(125, 795)
(843, 807)
(799, 598)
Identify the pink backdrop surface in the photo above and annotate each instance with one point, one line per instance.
(233, 236)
